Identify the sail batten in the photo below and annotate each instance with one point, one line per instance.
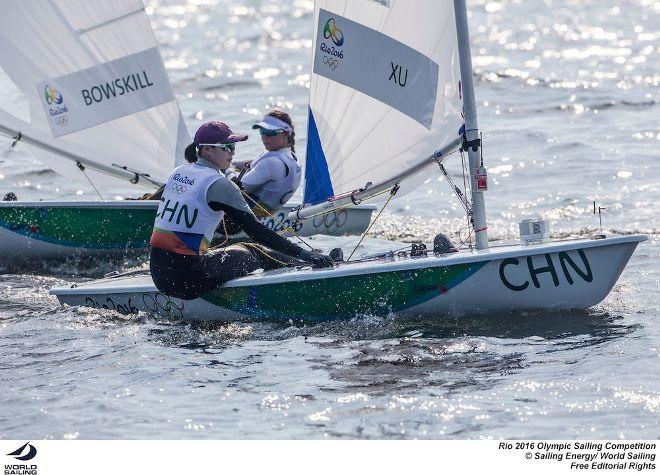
(384, 93)
(138, 8)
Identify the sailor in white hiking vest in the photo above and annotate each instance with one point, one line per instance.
(196, 198)
(275, 176)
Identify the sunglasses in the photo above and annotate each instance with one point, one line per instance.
(270, 133)
(227, 147)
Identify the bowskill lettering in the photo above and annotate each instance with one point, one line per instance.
(117, 87)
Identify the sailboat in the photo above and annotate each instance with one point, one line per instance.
(391, 97)
(90, 94)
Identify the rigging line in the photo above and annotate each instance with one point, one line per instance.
(223, 243)
(392, 193)
(469, 237)
(268, 213)
(461, 197)
(81, 167)
(115, 274)
(4, 156)
(260, 250)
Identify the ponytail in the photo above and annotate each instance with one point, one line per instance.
(191, 153)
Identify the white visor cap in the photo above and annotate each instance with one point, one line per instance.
(273, 123)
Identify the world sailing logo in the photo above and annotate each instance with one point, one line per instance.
(331, 30)
(31, 453)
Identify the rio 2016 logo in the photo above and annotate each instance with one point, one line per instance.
(332, 55)
(331, 30)
(52, 95)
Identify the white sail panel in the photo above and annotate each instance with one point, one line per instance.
(105, 92)
(43, 40)
(389, 97)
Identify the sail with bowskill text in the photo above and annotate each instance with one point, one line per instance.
(88, 84)
(385, 92)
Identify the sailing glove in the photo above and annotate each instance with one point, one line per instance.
(316, 259)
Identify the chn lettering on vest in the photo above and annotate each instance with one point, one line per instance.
(183, 213)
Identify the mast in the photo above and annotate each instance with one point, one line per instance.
(477, 171)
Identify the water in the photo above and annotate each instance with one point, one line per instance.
(568, 101)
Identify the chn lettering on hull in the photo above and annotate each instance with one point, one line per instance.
(518, 274)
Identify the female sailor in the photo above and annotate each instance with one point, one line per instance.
(196, 197)
(275, 176)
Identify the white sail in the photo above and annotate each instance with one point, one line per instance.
(95, 85)
(385, 91)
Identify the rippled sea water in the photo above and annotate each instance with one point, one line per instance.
(568, 95)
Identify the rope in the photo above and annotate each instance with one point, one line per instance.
(258, 248)
(457, 191)
(224, 228)
(81, 167)
(15, 139)
(268, 213)
(393, 192)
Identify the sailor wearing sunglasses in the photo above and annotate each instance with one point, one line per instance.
(196, 197)
(275, 176)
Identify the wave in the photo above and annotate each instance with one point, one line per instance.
(487, 77)
(203, 83)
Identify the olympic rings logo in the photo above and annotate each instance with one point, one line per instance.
(52, 95)
(331, 63)
(336, 219)
(161, 303)
(179, 188)
(331, 30)
(62, 120)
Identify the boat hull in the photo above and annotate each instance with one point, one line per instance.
(42, 231)
(566, 275)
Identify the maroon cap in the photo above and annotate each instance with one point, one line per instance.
(217, 132)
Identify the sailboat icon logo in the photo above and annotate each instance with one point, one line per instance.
(331, 30)
(31, 453)
(52, 95)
